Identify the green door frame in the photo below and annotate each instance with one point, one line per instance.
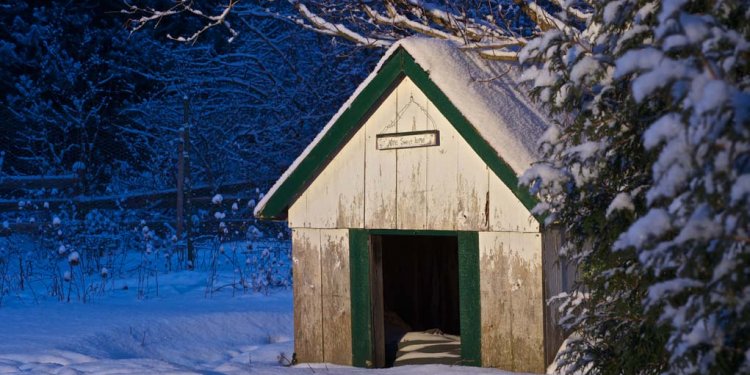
(468, 285)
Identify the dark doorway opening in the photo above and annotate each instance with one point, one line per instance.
(415, 288)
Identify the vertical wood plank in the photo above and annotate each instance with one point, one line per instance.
(472, 193)
(528, 301)
(380, 168)
(297, 214)
(349, 167)
(335, 199)
(497, 316)
(507, 213)
(321, 212)
(442, 169)
(336, 297)
(308, 319)
(411, 169)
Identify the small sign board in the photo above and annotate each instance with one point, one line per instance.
(392, 141)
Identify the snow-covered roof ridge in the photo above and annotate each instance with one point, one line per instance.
(487, 93)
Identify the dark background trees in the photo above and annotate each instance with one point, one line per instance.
(98, 110)
(80, 94)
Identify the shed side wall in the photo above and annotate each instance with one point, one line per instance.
(512, 301)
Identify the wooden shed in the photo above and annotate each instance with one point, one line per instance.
(406, 214)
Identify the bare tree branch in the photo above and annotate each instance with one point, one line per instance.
(398, 20)
(325, 27)
(182, 6)
(363, 24)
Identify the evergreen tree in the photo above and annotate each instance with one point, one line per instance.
(649, 173)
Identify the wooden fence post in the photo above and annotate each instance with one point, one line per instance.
(180, 191)
(187, 185)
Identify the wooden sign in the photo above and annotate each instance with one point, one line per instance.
(392, 141)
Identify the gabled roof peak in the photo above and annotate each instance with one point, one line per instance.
(481, 98)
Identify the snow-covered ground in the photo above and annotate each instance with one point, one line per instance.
(179, 332)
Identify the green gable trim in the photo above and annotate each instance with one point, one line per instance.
(333, 140)
(398, 65)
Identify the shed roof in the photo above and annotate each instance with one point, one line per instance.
(481, 98)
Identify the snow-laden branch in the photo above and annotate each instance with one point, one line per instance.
(543, 19)
(321, 25)
(183, 6)
(221, 19)
(487, 33)
(575, 12)
(399, 20)
(484, 35)
(469, 29)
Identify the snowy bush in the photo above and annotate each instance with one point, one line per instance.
(257, 263)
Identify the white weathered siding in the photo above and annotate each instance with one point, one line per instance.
(336, 198)
(322, 308)
(380, 169)
(507, 213)
(308, 315)
(510, 283)
(336, 305)
(446, 187)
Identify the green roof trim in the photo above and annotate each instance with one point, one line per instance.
(398, 65)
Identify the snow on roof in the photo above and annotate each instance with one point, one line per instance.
(487, 93)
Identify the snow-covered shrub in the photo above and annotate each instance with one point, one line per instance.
(256, 263)
(225, 246)
(269, 269)
(148, 266)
